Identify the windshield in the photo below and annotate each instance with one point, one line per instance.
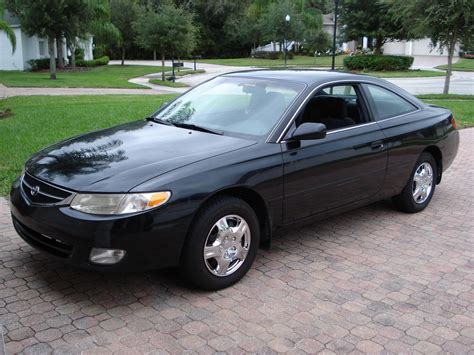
(247, 106)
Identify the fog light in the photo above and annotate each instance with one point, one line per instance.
(106, 256)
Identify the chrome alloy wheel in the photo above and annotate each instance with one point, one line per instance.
(422, 182)
(227, 245)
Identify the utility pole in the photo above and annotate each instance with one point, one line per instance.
(336, 4)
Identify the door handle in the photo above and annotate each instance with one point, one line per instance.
(376, 145)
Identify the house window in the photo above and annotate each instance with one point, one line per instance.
(42, 48)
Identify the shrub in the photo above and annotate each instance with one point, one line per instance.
(79, 53)
(39, 64)
(94, 62)
(99, 51)
(378, 62)
(266, 55)
(289, 55)
(272, 55)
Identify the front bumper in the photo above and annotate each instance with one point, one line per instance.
(152, 240)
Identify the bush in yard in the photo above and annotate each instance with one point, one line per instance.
(289, 55)
(39, 64)
(99, 51)
(266, 55)
(378, 62)
(79, 53)
(94, 62)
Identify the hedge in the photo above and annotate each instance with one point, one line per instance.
(378, 62)
(272, 55)
(40, 64)
(94, 62)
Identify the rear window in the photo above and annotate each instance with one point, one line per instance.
(388, 104)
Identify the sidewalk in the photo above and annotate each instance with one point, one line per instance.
(15, 91)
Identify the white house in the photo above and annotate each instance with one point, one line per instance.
(419, 47)
(29, 47)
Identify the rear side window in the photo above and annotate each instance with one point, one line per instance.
(386, 104)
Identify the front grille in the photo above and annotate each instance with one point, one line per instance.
(54, 246)
(42, 193)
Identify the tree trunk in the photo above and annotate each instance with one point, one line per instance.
(72, 48)
(447, 80)
(59, 45)
(123, 56)
(163, 67)
(378, 45)
(154, 55)
(274, 46)
(52, 59)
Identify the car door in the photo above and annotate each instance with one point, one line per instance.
(405, 132)
(346, 166)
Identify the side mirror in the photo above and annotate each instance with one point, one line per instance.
(308, 131)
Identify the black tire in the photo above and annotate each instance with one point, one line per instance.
(405, 201)
(193, 266)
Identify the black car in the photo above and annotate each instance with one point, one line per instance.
(212, 175)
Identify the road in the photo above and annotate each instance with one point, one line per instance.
(461, 82)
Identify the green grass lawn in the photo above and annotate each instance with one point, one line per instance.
(404, 73)
(39, 121)
(462, 65)
(298, 61)
(168, 83)
(306, 61)
(188, 72)
(109, 76)
(462, 107)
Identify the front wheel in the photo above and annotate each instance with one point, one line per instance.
(418, 191)
(222, 244)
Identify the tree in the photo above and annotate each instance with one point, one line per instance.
(168, 29)
(123, 13)
(45, 18)
(5, 27)
(370, 18)
(315, 38)
(245, 29)
(274, 26)
(93, 19)
(215, 25)
(446, 23)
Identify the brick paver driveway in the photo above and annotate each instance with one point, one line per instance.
(370, 280)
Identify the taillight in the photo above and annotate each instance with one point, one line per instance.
(453, 122)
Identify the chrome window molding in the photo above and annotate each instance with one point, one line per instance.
(343, 81)
(345, 129)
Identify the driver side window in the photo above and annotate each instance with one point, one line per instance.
(337, 106)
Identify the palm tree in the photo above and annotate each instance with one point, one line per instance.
(4, 26)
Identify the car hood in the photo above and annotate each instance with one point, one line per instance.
(121, 157)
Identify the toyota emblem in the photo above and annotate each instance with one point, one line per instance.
(34, 190)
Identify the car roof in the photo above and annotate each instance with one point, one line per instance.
(307, 76)
(315, 77)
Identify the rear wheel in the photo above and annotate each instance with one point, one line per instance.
(222, 244)
(418, 191)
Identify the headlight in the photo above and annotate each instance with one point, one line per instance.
(111, 204)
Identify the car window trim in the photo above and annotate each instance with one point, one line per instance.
(360, 95)
(312, 92)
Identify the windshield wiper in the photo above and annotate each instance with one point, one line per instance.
(197, 128)
(159, 120)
